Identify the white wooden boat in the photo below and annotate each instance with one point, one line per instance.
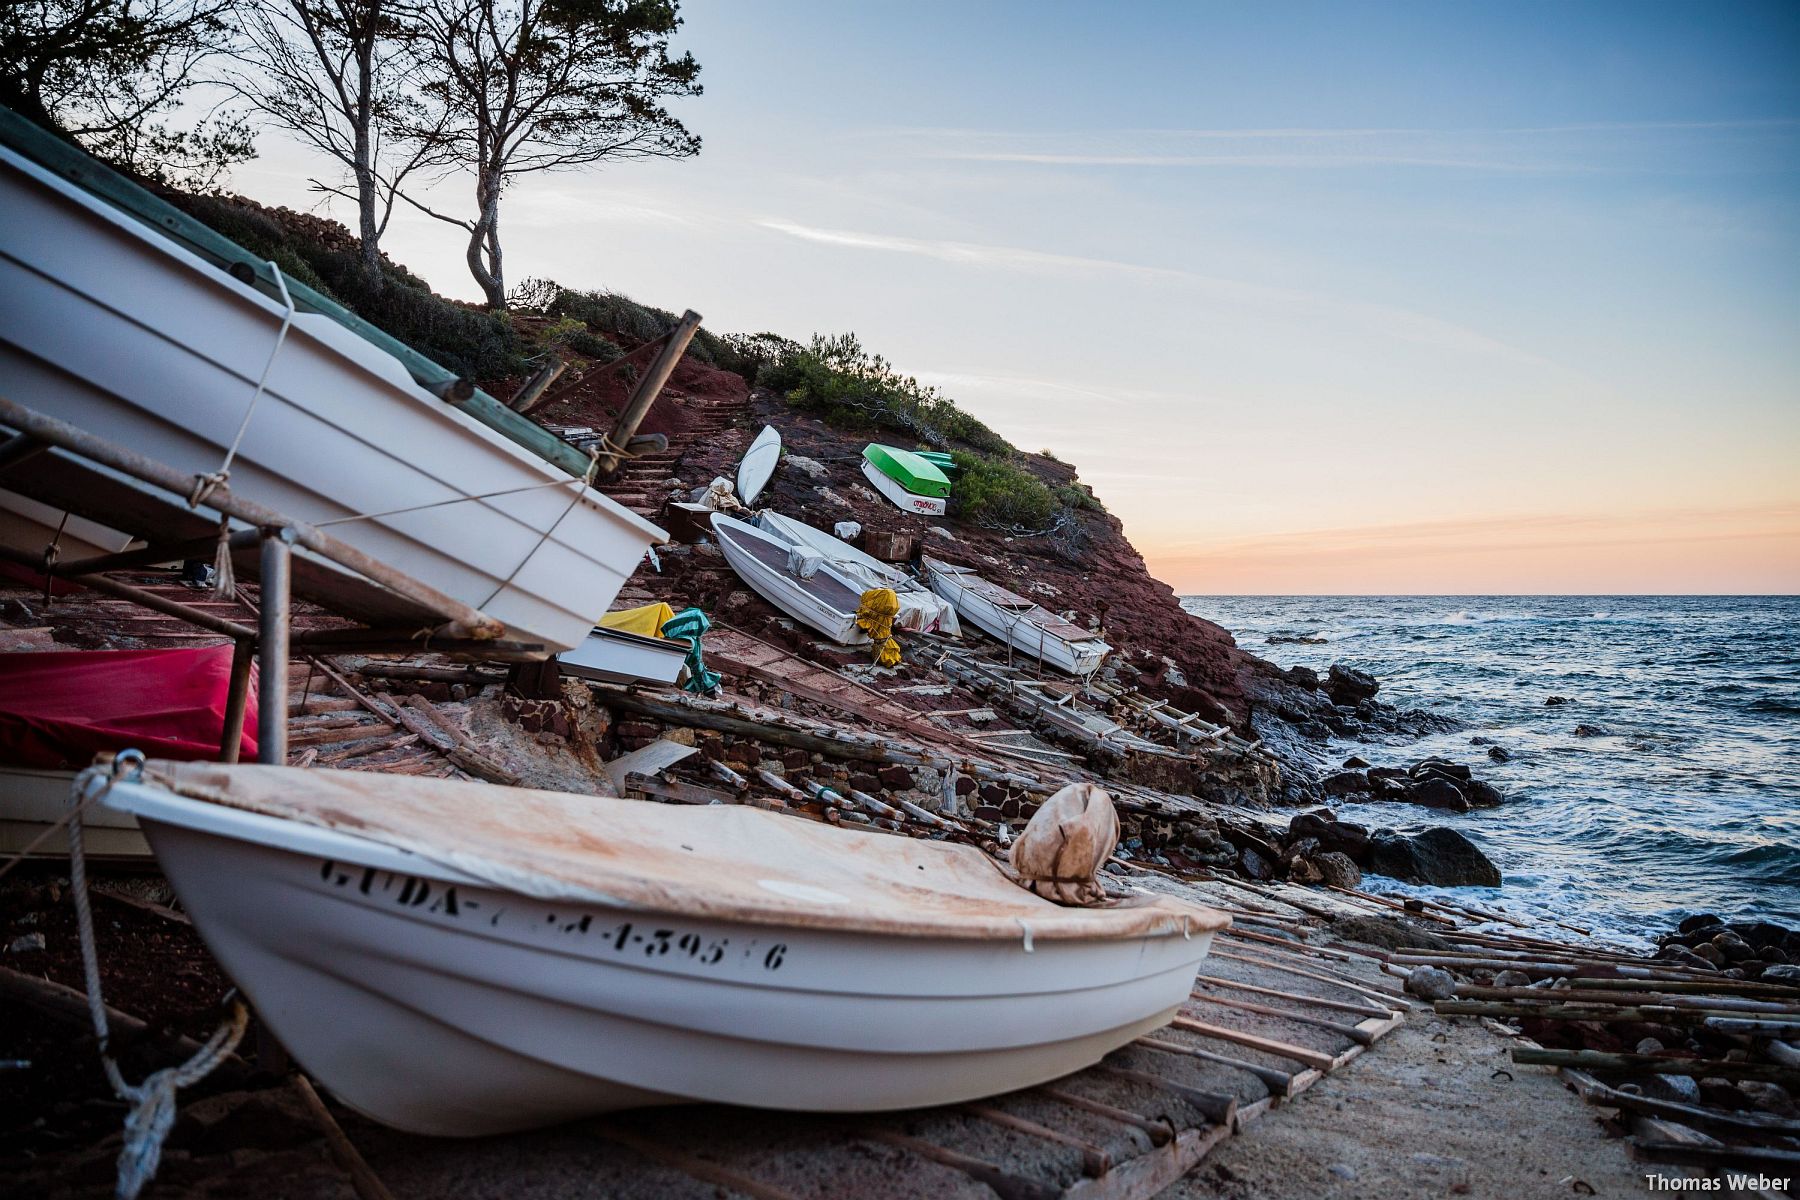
(921, 609)
(459, 959)
(620, 657)
(32, 800)
(1019, 622)
(824, 599)
(924, 506)
(758, 464)
(110, 326)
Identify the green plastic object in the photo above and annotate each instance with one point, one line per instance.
(78, 167)
(687, 625)
(911, 471)
(937, 458)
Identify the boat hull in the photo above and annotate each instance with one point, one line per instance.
(112, 328)
(1076, 658)
(925, 506)
(758, 464)
(439, 1005)
(780, 588)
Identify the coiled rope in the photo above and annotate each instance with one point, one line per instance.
(152, 1101)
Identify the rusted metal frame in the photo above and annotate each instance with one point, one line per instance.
(144, 597)
(1151, 1174)
(1268, 1010)
(237, 697)
(1281, 1083)
(462, 620)
(698, 1168)
(1300, 1054)
(649, 387)
(272, 646)
(1005, 1184)
(1216, 1107)
(1361, 1010)
(1095, 1161)
(1160, 1131)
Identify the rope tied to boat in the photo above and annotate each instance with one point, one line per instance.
(152, 1102)
(205, 485)
(587, 481)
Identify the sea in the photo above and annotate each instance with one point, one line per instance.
(1689, 801)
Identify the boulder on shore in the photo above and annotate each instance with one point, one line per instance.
(1350, 687)
(1439, 856)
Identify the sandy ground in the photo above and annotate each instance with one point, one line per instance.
(1426, 1113)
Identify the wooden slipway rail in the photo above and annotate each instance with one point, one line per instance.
(1264, 1023)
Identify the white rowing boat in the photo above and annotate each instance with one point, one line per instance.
(1019, 622)
(758, 465)
(33, 800)
(616, 656)
(114, 328)
(459, 959)
(798, 581)
(921, 609)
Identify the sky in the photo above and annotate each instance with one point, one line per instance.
(1320, 298)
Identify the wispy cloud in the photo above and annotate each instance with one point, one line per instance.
(1399, 323)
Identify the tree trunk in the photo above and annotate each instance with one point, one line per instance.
(484, 241)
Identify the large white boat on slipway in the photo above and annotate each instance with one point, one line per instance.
(1023, 624)
(460, 959)
(113, 325)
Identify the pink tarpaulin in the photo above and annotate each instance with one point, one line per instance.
(60, 709)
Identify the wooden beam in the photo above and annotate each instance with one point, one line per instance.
(1004, 1183)
(1696, 1068)
(1300, 1054)
(650, 386)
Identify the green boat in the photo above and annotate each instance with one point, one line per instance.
(937, 458)
(913, 472)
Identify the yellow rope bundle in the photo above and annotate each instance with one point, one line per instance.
(875, 617)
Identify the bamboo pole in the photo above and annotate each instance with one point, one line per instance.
(1697, 1068)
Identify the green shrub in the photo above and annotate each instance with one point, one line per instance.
(472, 342)
(853, 389)
(610, 312)
(1078, 496)
(997, 494)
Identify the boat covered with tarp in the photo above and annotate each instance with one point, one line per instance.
(921, 609)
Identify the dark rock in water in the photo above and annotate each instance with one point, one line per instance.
(1735, 948)
(1676, 953)
(1710, 953)
(1349, 838)
(1439, 856)
(1499, 754)
(1478, 740)
(1440, 793)
(1276, 639)
(1553, 701)
(1386, 773)
(1344, 783)
(1338, 869)
(1440, 766)
(1353, 763)
(1761, 933)
(1304, 677)
(1698, 922)
(1482, 795)
(1314, 730)
(1592, 731)
(1314, 823)
(1344, 727)
(1349, 686)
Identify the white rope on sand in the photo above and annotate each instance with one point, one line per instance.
(152, 1101)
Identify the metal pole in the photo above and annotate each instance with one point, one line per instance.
(272, 647)
(231, 737)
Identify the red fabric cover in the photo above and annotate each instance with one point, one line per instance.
(60, 709)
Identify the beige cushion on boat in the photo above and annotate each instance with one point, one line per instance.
(720, 861)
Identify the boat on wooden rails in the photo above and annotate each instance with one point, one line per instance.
(459, 959)
(128, 320)
(793, 577)
(1020, 623)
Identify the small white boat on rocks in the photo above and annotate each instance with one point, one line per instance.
(1021, 623)
(794, 578)
(113, 327)
(460, 959)
(921, 609)
(758, 464)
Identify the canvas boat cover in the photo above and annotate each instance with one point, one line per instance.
(58, 710)
(921, 610)
(721, 862)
